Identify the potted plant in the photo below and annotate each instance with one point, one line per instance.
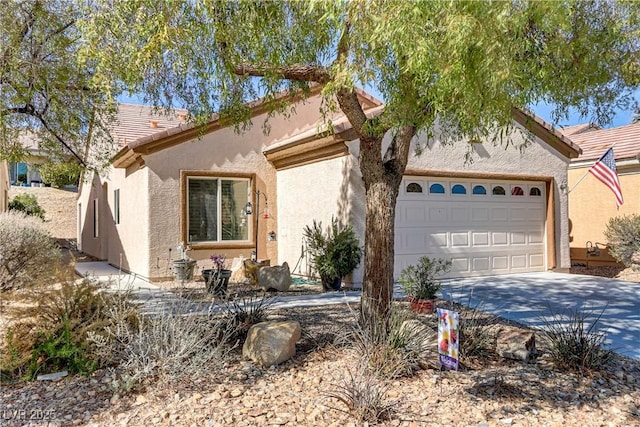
(333, 254)
(420, 284)
(217, 278)
(184, 266)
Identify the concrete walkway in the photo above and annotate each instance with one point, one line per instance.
(524, 298)
(155, 300)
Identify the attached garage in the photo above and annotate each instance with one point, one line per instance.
(490, 207)
(483, 226)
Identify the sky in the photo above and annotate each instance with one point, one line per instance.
(621, 118)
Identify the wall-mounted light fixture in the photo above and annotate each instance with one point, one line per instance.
(248, 209)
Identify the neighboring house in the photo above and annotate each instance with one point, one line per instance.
(5, 184)
(591, 203)
(26, 171)
(502, 213)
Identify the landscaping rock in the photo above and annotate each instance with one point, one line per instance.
(271, 343)
(516, 344)
(277, 277)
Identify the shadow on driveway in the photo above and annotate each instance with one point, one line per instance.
(526, 297)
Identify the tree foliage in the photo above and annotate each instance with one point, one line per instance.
(466, 64)
(45, 92)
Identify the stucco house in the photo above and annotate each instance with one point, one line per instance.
(504, 212)
(26, 171)
(591, 203)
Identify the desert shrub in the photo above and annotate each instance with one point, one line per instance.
(364, 395)
(394, 348)
(477, 328)
(170, 345)
(575, 340)
(28, 204)
(27, 252)
(60, 174)
(623, 239)
(477, 333)
(240, 314)
(54, 329)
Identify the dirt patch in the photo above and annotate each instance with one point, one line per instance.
(59, 206)
(614, 272)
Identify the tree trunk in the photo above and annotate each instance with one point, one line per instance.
(377, 286)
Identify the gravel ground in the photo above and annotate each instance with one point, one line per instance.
(486, 392)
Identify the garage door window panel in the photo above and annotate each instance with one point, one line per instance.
(458, 189)
(436, 188)
(516, 190)
(479, 190)
(414, 187)
(498, 190)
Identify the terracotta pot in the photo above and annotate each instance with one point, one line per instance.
(423, 306)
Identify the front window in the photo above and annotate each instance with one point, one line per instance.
(215, 209)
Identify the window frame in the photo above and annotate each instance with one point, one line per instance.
(185, 176)
(116, 206)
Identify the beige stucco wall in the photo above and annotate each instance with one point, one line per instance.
(318, 191)
(124, 245)
(4, 186)
(151, 196)
(592, 204)
(334, 187)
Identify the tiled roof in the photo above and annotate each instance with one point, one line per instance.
(576, 129)
(137, 121)
(594, 143)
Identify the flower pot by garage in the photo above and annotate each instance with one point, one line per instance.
(183, 269)
(423, 306)
(216, 281)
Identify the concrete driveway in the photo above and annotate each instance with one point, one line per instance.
(525, 297)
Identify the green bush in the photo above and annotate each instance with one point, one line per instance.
(623, 239)
(27, 251)
(60, 174)
(334, 254)
(27, 203)
(419, 281)
(53, 330)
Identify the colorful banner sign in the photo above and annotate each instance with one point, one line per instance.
(448, 331)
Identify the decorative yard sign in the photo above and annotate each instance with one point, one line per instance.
(448, 322)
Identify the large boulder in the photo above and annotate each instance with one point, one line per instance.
(518, 344)
(277, 277)
(271, 343)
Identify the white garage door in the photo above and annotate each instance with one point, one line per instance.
(485, 227)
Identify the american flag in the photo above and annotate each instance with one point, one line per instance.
(605, 171)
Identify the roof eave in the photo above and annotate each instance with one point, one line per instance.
(547, 133)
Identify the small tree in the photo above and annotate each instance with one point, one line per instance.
(623, 239)
(464, 65)
(60, 174)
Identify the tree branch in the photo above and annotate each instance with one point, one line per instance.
(44, 123)
(299, 72)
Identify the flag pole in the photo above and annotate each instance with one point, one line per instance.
(587, 172)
